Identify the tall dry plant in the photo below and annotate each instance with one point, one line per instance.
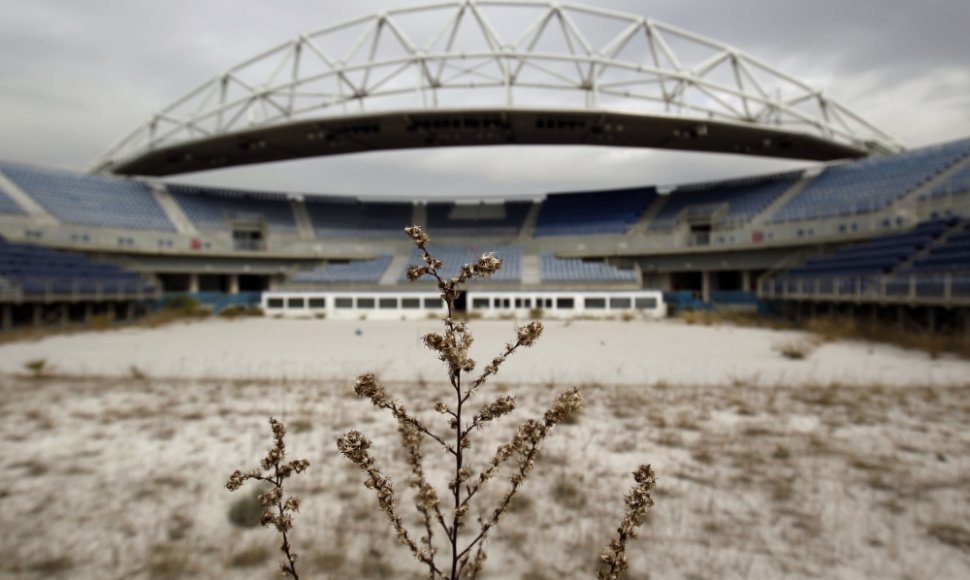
(465, 542)
(277, 508)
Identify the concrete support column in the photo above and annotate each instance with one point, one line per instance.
(666, 281)
(129, 311)
(7, 322)
(234, 283)
(88, 311)
(746, 280)
(900, 317)
(63, 314)
(931, 318)
(193, 283)
(706, 286)
(37, 314)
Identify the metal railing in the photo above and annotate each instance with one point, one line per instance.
(51, 290)
(946, 289)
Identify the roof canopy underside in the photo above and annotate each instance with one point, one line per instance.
(493, 72)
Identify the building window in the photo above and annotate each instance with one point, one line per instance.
(365, 303)
(410, 303)
(523, 303)
(595, 303)
(296, 303)
(620, 303)
(434, 303)
(387, 303)
(565, 303)
(344, 302)
(274, 303)
(318, 303)
(480, 303)
(646, 303)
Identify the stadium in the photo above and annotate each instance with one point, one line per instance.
(857, 227)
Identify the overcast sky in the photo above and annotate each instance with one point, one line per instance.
(76, 76)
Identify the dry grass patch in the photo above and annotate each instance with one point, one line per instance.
(250, 556)
(795, 349)
(956, 535)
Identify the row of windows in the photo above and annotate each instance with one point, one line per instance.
(566, 303)
(362, 303)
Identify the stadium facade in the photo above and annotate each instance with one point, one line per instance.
(873, 227)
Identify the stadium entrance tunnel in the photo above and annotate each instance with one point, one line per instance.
(424, 129)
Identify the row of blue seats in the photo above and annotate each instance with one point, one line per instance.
(606, 211)
(212, 208)
(8, 205)
(871, 184)
(489, 219)
(555, 269)
(335, 218)
(38, 269)
(89, 199)
(743, 198)
(956, 182)
(363, 271)
(453, 257)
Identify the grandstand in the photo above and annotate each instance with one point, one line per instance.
(72, 198)
(454, 256)
(492, 219)
(870, 185)
(586, 213)
(555, 269)
(211, 208)
(351, 217)
(714, 239)
(722, 203)
(357, 271)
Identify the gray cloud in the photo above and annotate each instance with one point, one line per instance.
(76, 76)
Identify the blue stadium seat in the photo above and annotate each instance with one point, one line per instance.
(741, 199)
(494, 219)
(553, 269)
(956, 182)
(869, 185)
(212, 208)
(454, 257)
(91, 199)
(8, 205)
(347, 216)
(363, 271)
(592, 212)
(36, 269)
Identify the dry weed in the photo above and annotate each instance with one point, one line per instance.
(445, 517)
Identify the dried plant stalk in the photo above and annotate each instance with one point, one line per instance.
(638, 503)
(467, 551)
(274, 471)
(467, 554)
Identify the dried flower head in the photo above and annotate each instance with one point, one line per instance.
(529, 333)
(417, 235)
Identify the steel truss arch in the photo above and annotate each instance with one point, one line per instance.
(523, 60)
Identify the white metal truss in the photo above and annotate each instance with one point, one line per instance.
(499, 54)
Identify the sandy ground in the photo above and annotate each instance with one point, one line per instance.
(605, 352)
(767, 467)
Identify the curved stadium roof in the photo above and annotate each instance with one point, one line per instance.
(493, 72)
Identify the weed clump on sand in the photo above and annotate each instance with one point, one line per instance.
(446, 515)
(37, 367)
(796, 349)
